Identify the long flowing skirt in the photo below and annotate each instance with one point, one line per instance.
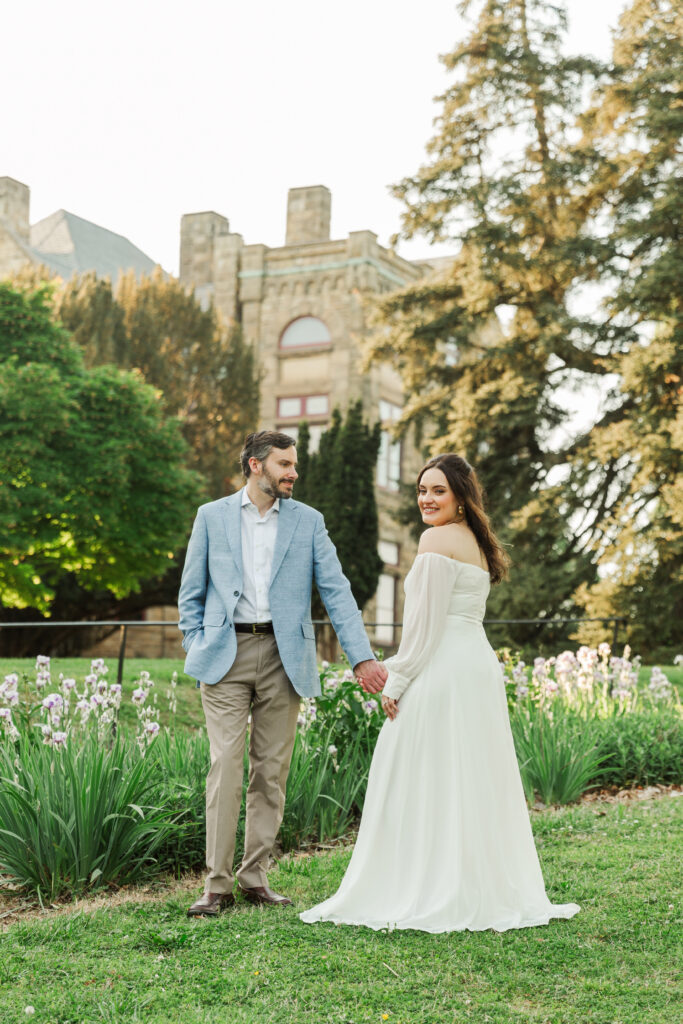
(445, 842)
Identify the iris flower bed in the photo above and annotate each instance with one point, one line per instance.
(581, 720)
(85, 802)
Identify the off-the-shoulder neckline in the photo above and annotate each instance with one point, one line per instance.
(448, 558)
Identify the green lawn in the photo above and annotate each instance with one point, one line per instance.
(189, 712)
(615, 963)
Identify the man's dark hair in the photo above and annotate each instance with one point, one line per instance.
(260, 445)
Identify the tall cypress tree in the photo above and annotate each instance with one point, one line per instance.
(339, 481)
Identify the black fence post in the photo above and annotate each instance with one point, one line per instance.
(122, 654)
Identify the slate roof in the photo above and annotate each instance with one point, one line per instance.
(69, 245)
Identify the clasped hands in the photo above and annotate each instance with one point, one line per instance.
(372, 675)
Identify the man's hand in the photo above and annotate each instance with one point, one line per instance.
(371, 675)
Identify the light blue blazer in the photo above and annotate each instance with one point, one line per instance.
(212, 584)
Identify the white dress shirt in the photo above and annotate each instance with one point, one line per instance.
(258, 544)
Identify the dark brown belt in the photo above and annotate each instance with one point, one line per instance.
(255, 628)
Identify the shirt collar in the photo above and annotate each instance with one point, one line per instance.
(246, 500)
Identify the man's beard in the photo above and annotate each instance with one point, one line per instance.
(269, 485)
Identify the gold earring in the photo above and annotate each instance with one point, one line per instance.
(461, 510)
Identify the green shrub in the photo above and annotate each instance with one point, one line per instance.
(325, 788)
(559, 754)
(182, 760)
(644, 748)
(79, 817)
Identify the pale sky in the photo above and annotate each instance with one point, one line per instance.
(130, 114)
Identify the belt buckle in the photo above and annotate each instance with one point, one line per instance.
(254, 630)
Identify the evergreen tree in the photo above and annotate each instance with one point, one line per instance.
(635, 127)
(87, 308)
(521, 222)
(339, 481)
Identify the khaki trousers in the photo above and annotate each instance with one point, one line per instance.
(256, 682)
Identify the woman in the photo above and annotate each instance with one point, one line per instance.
(445, 841)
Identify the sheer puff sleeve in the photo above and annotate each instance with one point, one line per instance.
(428, 590)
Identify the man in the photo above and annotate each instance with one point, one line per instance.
(245, 613)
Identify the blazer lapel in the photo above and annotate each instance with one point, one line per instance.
(232, 521)
(287, 518)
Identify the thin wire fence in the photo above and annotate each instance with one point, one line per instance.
(614, 624)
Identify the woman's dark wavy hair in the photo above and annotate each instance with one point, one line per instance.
(463, 481)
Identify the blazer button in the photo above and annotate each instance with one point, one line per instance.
(236, 593)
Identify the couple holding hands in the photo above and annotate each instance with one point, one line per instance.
(445, 842)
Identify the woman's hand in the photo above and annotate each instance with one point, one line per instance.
(390, 707)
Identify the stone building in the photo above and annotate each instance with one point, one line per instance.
(303, 306)
(64, 243)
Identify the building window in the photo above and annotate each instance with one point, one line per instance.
(315, 432)
(389, 458)
(301, 406)
(388, 552)
(305, 331)
(316, 405)
(385, 609)
(289, 406)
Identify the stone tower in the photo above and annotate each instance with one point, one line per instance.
(308, 215)
(209, 260)
(15, 230)
(15, 199)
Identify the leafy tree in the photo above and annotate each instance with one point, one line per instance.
(640, 540)
(87, 308)
(522, 223)
(93, 473)
(338, 480)
(206, 372)
(635, 127)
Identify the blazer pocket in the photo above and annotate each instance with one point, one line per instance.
(214, 618)
(308, 630)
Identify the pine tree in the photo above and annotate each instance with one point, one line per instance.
(635, 127)
(521, 223)
(339, 481)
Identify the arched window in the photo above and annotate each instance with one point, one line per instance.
(305, 331)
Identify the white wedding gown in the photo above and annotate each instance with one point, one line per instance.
(445, 842)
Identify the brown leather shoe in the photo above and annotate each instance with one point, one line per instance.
(261, 894)
(211, 904)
